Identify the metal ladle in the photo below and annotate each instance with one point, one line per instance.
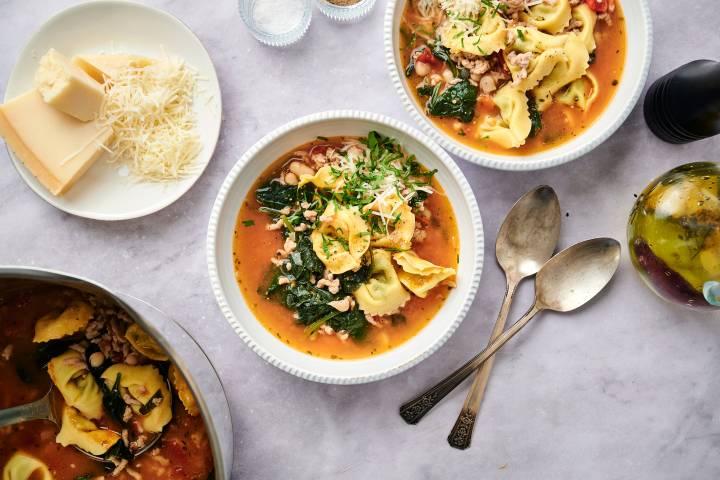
(566, 282)
(43, 410)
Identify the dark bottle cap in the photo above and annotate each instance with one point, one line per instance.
(684, 105)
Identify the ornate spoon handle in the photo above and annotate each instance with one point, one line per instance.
(413, 411)
(461, 433)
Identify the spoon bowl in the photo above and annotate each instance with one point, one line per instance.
(45, 409)
(574, 276)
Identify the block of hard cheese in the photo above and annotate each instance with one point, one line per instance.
(102, 67)
(67, 87)
(57, 148)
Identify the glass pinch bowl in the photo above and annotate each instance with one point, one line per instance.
(345, 13)
(276, 35)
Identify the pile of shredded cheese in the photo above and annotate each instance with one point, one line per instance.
(150, 111)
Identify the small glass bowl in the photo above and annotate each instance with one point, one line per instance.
(282, 39)
(346, 13)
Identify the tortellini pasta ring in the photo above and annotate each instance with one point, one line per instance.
(145, 344)
(323, 178)
(22, 466)
(70, 374)
(549, 17)
(382, 294)
(573, 66)
(399, 220)
(465, 36)
(515, 124)
(183, 390)
(75, 317)
(341, 240)
(143, 382)
(83, 433)
(419, 275)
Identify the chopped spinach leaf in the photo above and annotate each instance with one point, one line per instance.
(147, 408)
(425, 90)
(119, 451)
(353, 322)
(276, 195)
(83, 477)
(535, 117)
(49, 350)
(443, 53)
(351, 281)
(112, 400)
(455, 101)
(248, 223)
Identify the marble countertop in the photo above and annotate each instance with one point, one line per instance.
(626, 388)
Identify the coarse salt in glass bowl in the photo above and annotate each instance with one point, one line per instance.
(345, 13)
(278, 23)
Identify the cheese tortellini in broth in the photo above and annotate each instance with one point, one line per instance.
(342, 238)
(419, 275)
(22, 466)
(383, 294)
(72, 319)
(78, 430)
(69, 372)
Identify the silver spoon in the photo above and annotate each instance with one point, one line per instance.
(566, 282)
(526, 240)
(43, 410)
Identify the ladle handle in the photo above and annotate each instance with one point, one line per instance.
(38, 410)
(414, 410)
(461, 433)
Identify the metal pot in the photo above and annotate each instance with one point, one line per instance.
(184, 351)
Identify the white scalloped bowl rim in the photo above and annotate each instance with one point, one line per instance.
(639, 37)
(233, 304)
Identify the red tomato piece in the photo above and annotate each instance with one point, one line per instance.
(599, 6)
(427, 57)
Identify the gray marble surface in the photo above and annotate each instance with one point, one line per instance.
(626, 388)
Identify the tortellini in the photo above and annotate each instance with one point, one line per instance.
(514, 125)
(71, 376)
(549, 17)
(584, 14)
(383, 294)
(78, 430)
(399, 220)
(418, 275)
(143, 383)
(323, 178)
(572, 67)
(145, 344)
(467, 36)
(538, 68)
(342, 238)
(533, 40)
(22, 466)
(51, 327)
(580, 93)
(183, 390)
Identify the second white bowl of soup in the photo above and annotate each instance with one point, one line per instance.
(518, 85)
(345, 247)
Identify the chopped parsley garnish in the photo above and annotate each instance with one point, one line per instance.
(248, 223)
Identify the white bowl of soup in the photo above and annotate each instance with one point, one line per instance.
(518, 84)
(345, 247)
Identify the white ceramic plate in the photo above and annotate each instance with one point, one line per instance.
(104, 193)
(637, 64)
(220, 243)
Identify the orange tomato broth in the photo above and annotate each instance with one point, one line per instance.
(183, 451)
(254, 245)
(561, 123)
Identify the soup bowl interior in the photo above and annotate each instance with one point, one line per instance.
(637, 63)
(185, 353)
(220, 248)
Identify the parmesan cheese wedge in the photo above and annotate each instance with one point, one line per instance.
(103, 67)
(57, 148)
(68, 88)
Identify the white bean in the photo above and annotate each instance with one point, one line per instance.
(422, 68)
(447, 75)
(291, 178)
(299, 168)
